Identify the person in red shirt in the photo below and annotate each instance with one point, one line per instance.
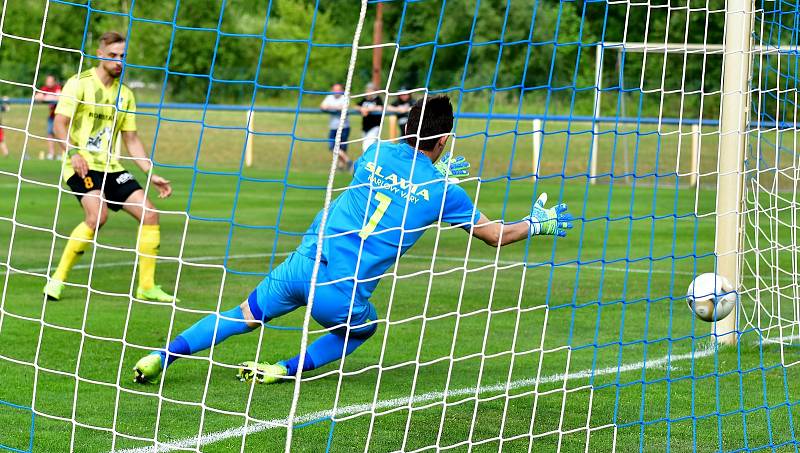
(49, 93)
(3, 108)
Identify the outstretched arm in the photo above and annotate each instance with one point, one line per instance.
(497, 233)
(541, 221)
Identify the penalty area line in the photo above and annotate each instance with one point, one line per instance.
(243, 431)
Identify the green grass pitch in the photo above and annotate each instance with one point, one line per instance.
(598, 351)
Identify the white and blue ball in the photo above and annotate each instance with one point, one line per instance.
(711, 297)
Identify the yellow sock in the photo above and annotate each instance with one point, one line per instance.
(149, 240)
(79, 241)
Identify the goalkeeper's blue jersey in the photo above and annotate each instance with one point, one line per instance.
(396, 193)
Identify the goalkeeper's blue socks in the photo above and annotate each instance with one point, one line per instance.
(201, 335)
(325, 350)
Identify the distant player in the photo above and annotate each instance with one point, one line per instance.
(3, 108)
(401, 106)
(334, 103)
(370, 106)
(86, 108)
(49, 93)
(395, 194)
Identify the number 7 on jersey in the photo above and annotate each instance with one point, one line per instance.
(383, 204)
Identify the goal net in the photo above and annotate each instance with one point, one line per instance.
(769, 249)
(672, 141)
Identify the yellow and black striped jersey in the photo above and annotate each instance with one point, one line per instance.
(98, 114)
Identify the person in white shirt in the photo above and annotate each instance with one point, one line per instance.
(334, 103)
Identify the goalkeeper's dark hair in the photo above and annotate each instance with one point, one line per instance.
(437, 120)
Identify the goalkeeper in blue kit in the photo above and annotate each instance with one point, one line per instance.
(397, 191)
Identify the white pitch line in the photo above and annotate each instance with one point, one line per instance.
(205, 439)
(201, 259)
(780, 340)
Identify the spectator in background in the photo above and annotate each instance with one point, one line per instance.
(334, 103)
(401, 106)
(370, 120)
(49, 93)
(3, 108)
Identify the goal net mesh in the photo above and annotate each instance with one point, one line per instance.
(769, 253)
(577, 344)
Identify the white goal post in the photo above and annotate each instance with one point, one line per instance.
(736, 69)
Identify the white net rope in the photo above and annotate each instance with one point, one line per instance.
(581, 344)
(769, 240)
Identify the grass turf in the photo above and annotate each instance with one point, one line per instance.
(560, 330)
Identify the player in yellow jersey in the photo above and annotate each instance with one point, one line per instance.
(94, 107)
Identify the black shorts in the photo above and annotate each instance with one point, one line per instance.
(118, 186)
(332, 139)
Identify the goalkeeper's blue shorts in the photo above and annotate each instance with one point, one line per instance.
(287, 286)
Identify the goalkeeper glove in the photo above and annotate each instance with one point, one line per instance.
(453, 168)
(552, 221)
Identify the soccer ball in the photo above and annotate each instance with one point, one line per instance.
(711, 297)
